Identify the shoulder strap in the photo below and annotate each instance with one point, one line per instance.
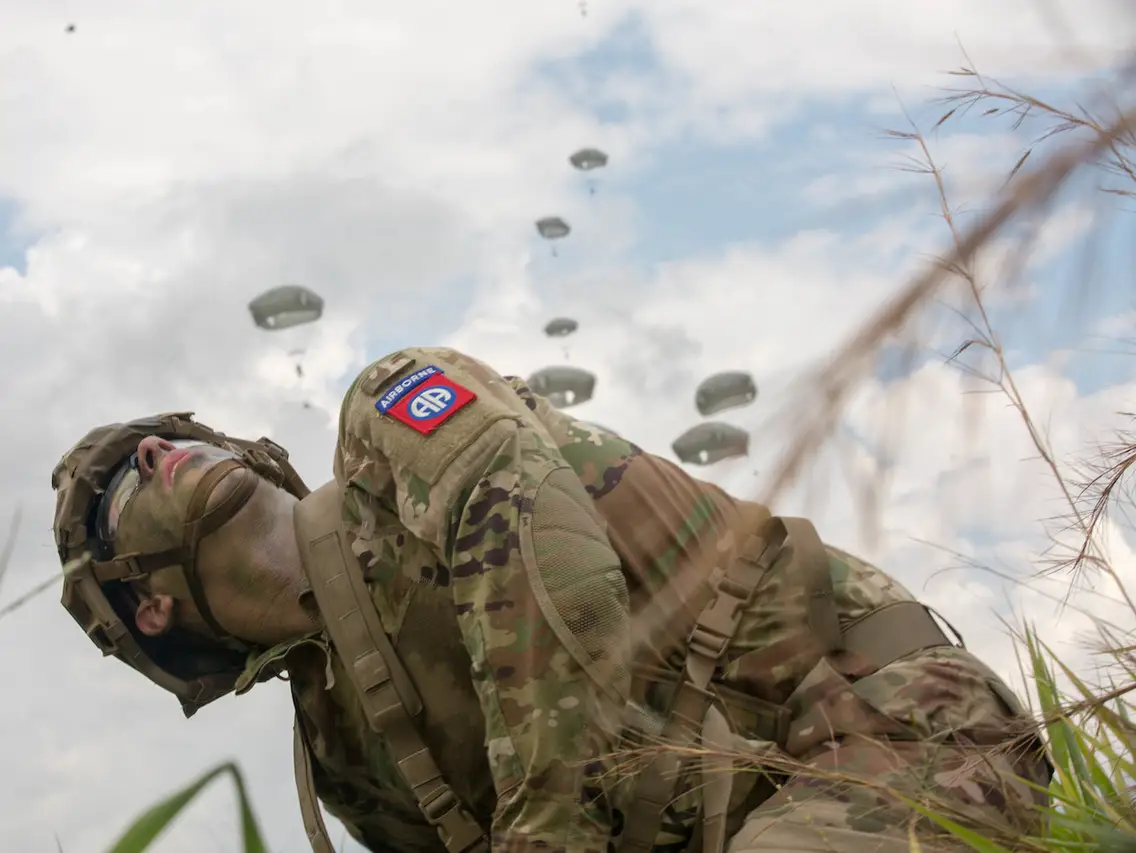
(389, 698)
(306, 788)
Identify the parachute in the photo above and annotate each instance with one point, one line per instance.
(587, 159)
(561, 327)
(563, 386)
(286, 306)
(727, 390)
(707, 443)
(553, 228)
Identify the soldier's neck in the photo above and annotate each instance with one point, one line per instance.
(259, 592)
(276, 611)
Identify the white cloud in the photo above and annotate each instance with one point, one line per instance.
(176, 161)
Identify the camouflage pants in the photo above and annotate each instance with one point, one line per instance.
(979, 788)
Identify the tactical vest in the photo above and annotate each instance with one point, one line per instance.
(392, 704)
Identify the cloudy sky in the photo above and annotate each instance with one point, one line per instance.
(164, 163)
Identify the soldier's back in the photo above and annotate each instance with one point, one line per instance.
(672, 530)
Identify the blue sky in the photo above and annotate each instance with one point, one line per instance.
(13, 242)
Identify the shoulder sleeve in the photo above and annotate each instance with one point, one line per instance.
(538, 590)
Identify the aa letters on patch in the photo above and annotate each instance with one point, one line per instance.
(427, 402)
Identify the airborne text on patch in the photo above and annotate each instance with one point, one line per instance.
(400, 388)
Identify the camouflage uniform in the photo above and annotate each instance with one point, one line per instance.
(465, 536)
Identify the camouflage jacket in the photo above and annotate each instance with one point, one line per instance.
(461, 534)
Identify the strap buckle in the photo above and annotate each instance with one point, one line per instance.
(706, 642)
(735, 589)
(444, 812)
(273, 446)
(439, 803)
(719, 621)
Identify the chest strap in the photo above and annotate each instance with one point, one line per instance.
(881, 636)
(389, 698)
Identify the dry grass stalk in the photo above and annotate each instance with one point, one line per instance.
(1089, 501)
(818, 412)
(1000, 100)
(10, 543)
(31, 594)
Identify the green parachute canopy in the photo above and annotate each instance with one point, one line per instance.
(553, 228)
(587, 159)
(561, 327)
(707, 443)
(563, 386)
(286, 306)
(726, 390)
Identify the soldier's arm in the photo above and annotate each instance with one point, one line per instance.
(491, 494)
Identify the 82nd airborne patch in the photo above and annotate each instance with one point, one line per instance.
(425, 399)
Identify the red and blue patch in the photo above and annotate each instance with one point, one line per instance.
(425, 399)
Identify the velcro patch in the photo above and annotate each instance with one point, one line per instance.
(404, 386)
(434, 399)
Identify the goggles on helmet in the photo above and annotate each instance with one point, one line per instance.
(124, 485)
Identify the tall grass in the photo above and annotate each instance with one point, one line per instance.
(1088, 727)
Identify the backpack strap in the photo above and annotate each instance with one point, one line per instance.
(881, 636)
(692, 700)
(389, 698)
(306, 788)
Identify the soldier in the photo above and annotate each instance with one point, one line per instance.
(494, 610)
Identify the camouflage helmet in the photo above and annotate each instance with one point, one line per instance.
(97, 582)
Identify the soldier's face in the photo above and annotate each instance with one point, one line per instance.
(148, 503)
(145, 511)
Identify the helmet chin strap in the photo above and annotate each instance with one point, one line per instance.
(200, 522)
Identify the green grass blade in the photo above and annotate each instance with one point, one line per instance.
(154, 821)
